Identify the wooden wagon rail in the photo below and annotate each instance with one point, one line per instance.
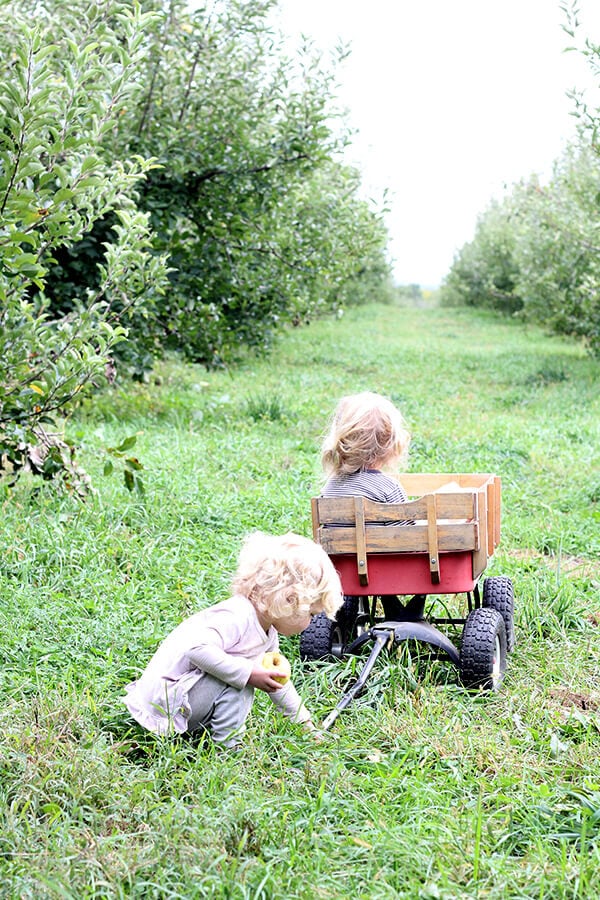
(453, 513)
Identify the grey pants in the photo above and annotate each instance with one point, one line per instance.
(220, 709)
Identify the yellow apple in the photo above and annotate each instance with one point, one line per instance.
(277, 661)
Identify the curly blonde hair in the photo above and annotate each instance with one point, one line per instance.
(287, 574)
(366, 428)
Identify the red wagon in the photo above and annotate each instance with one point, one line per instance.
(455, 531)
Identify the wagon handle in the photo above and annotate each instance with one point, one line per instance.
(382, 639)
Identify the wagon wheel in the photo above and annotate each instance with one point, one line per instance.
(498, 594)
(346, 618)
(324, 638)
(483, 650)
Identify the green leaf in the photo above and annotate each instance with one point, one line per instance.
(127, 444)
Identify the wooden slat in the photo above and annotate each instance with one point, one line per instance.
(432, 539)
(480, 554)
(315, 518)
(418, 483)
(399, 538)
(340, 510)
(497, 510)
(491, 509)
(361, 543)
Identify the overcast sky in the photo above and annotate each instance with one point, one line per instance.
(453, 100)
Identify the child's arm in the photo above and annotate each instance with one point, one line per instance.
(288, 700)
(235, 670)
(211, 655)
(215, 661)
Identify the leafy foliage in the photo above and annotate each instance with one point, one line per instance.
(587, 110)
(536, 254)
(484, 272)
(132, 135)
(261, 222)
(558, 254)
(58, 102)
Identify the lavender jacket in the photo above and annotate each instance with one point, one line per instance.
(225, 640)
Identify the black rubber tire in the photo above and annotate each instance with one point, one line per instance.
(318, 640)
(346, 618)
(498, 594)
(483, 650)
(324, 638)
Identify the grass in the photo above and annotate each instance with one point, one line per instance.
(422, 791)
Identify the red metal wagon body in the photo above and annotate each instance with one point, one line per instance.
(456, 530)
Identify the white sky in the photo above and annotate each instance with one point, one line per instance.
(453, 100)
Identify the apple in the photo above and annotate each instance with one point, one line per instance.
(277, 661)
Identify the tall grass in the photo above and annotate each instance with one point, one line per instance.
(422, 791)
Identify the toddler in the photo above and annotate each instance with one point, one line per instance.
(204, 673)
(367, 435)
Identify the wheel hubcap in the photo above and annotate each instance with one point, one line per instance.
(337, 644)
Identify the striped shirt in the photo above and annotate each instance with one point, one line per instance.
(369, 483)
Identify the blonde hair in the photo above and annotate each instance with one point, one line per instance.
(365, 428)
(287, 574)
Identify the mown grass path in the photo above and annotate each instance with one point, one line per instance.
(423, 790)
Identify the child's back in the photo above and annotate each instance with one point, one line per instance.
(368, 434)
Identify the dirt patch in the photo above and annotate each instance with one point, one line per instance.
(573, 698)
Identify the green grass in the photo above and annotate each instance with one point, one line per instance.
(422, 791)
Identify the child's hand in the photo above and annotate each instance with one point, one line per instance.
(264, 679)
(316, 734)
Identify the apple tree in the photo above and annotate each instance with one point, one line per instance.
(536, 252)
(261, 222)
(484, 272)
(558, 251)
(61, 96)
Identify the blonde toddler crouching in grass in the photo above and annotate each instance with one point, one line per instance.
(203, 675)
